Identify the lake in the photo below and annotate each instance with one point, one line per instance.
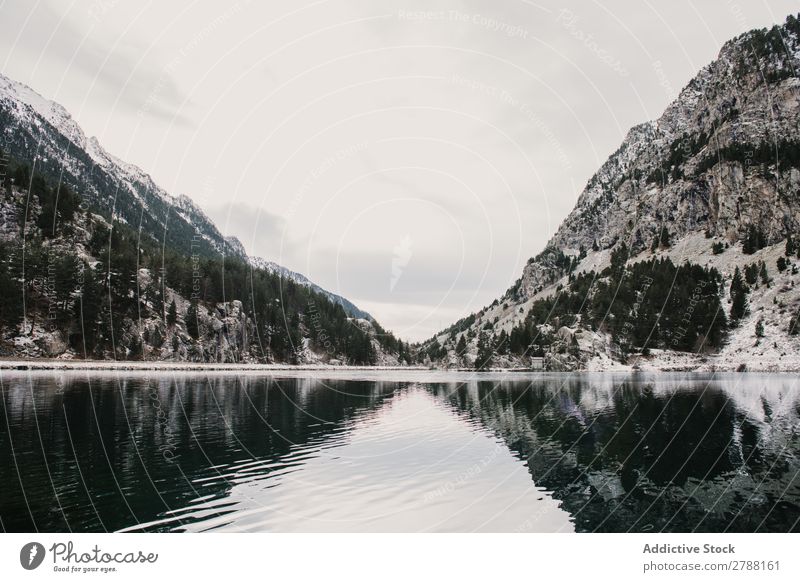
(399, 451)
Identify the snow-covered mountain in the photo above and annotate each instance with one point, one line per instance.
(695, 168)
(721, 164)
(43, 133)
(272, 267)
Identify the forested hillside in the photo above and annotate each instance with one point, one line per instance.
(76, 285)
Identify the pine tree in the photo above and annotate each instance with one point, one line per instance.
(794, 324)
(619, 256)
(192, 325)
(751, 274)
(738, 296)
(11, 310)
(662, 239)
(172, 314)
(754, 240)
(790, 248)
(502, 343)
(461, 346)
(89, 311)
(781, 264)
(764, 274)
(136, 350)
(485, 352)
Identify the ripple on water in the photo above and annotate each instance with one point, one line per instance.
(411, 465)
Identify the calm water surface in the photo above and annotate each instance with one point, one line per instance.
(399, 451)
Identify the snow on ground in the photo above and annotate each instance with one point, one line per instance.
(50, 364)
(774, 305)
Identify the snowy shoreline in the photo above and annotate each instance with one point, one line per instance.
(661, 361)
(51, 364)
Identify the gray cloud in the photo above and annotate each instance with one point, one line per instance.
(117, 77)
(334, 131)
(261, 232)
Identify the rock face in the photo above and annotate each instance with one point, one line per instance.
(722, 161)
(225, 336)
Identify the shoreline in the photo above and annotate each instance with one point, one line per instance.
(654, 365)
(123, 365)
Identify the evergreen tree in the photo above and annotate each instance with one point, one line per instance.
(738, 292)
(661, 240)
(751, 274)
(89, 310)
(172, 314)
(754, 240)
(11, 309)
(790, 247)
(764, 274)
(192, 324)
(502, 343)
(136, 351)
(619, 256)
(461, 346)
(794, 324)
(485, 352)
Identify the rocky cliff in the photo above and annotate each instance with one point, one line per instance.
(720, 165)
(722, 157)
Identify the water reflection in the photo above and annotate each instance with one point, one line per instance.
(663, 453)
(412, 452)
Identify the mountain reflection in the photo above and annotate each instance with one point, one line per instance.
(422, 451)
(671, 453)
(100, 452)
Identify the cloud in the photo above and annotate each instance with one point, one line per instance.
(37, 34)
(425, 276)
(373, 151)
(261, 233)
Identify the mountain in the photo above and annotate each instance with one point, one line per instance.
(714, 182)
(350, 308)
(43, 133)
(98, 261)
(40, 130)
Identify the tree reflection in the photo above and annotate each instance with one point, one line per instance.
(638, 453)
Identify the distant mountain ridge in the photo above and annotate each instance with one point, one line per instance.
(301, 279)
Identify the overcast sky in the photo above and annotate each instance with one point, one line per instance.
(410, 156)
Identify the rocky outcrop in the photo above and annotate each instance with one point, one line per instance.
(721, 162)
(721, 158)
